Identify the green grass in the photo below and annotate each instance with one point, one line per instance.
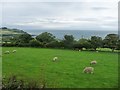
(36, 63)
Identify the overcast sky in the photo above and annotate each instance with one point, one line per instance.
(83, 15)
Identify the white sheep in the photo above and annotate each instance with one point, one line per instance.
(93, 62)
(88, 70)
(14, 51)
(7, 52)
(79, 50)
(55, 58)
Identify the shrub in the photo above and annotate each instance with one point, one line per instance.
(35, 43)
(13, 83)
(53, 44)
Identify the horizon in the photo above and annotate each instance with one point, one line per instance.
(54, 29)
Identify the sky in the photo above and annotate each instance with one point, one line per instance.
(59, 15)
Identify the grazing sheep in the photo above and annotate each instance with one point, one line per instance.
(7, 52)
(14, 51)
(88, 70)
(55, 58)
(93, 62)
(79, 50)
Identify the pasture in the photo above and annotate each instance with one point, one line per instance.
(37, 64)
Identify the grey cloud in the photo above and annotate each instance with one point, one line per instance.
(100, 8)
(85, 19)
(14, 13)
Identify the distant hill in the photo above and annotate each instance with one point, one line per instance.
(10, 32)
(6, 33)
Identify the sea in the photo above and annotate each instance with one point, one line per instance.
(78, 34)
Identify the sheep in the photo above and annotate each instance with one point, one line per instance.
(55, 58)
(88, 70)
(7, 52)
(93, 62)
(79, 50)
(14, 51)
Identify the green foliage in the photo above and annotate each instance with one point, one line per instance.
(111, 41)
(14, 83)
(77, 46)
(25, 38)
(53, 44)
(82, 43)
(118, 45)
(7, 34)
(85, 43)
(45, 37)
(4, 28)
(68, 38)
(96, 42)
(68, 41)
(35, 43)
(9, 44)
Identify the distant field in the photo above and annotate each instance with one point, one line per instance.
(36, 63)
(10, 31)
(7, 32)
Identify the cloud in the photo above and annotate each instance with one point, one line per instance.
(61, 15)
(99, 8)
(59, 0)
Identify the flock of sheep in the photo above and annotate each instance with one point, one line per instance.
(86, 69)
(8, 52)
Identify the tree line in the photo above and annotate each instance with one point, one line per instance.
(48, 40)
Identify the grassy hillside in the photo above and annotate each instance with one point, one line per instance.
(34, 64)
(11, 31)
(7, 34)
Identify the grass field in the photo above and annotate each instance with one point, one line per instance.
(36, 63)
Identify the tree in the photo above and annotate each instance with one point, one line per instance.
(35, 43)
(4, 28)
(68, 41)
(45, 38)
(118, 45)
(77, 46)
(96, 42)
(83, 43)
(53, 44)
(111, 41)
(25, 38)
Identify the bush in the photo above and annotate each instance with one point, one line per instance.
(13, 83)
(53, 44)
(45, 37)
(68, 41)
(23, 45)
(35, 43)
(77, 46)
